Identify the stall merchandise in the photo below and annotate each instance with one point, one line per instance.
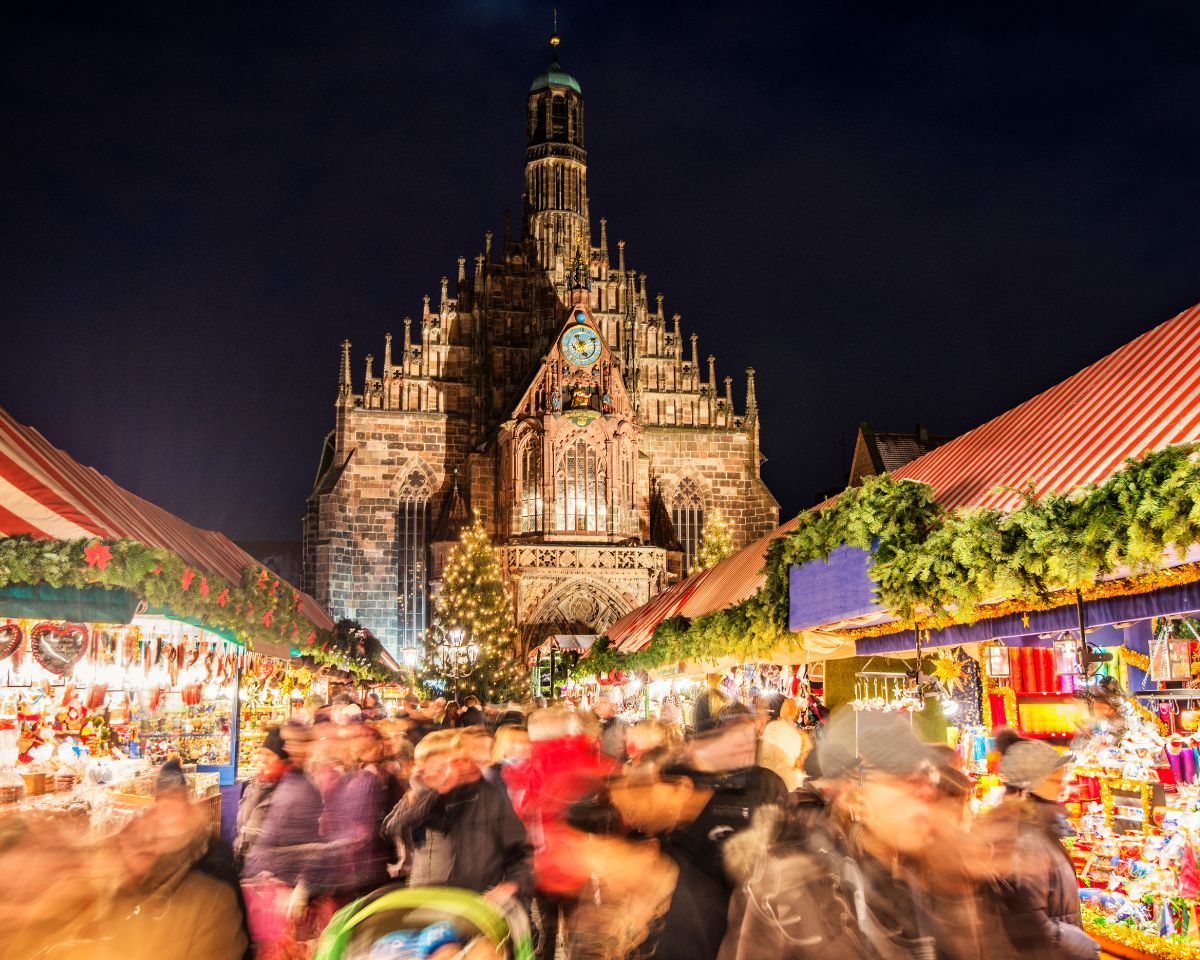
(154, 688)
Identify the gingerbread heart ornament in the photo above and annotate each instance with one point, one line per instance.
(58, 646)
(11, 637)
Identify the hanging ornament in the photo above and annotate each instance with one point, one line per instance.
(186, 580)
(274, 588)
(97, 555)
(57, 647)
(266, 619)
(11, 638)
(948, 668)
(222, 597)
(262, 580)
(204, 586)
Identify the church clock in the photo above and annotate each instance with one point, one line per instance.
(581, 345)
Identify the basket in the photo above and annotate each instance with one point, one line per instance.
(35, 784)
(489, 932)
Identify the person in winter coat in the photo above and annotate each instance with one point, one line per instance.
(356, 856)
(472, 714)
(1036, 889)
(461, 830)
(273, 763)
(613, 729)
(720, 763)
(288, 846)
(876, 876)
(141, 895)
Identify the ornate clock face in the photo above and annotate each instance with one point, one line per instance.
(581, 345)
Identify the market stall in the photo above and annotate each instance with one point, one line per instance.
(128, 636)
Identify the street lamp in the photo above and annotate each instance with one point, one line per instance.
(456, 660)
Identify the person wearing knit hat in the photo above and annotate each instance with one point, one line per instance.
(1031, 765)
(1036, 893)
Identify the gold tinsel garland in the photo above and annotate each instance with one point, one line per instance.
(1134, 659)
(1127, 587)
(1133, 939)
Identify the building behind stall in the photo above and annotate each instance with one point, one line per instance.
(546, 389)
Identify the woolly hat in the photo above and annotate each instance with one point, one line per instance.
(274, 743)
(1028, 762)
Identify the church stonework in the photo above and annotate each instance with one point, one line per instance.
(549, 394)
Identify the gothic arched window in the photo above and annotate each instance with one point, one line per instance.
(582, 496)
(530, 479)
(412, 577)
(687, 514)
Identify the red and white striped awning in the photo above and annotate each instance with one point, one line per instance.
(1141, 397)
(47, 494)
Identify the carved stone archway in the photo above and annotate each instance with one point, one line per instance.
(579, 605)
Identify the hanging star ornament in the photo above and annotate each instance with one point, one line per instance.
(948, 668)
(97, 555)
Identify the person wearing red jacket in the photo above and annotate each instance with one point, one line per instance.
(565, 765)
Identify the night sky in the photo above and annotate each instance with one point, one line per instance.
(895, 216)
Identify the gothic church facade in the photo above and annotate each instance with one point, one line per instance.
(551, 395)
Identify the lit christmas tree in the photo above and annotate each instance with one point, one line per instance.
(473, 612)
(715, 543)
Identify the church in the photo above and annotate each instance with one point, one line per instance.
(547, 391)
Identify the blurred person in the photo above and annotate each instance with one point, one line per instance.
(306, 713)
(510, 746)
(273, 763)
(650, 742)
(356, 853)
(720, 763)
(472, 714)
(670, 713)
(1037, 894)
(460, 829)
(450, 716)
(373, 708)
(879, 877)
(288, 843)
(613, 729)
(477, 745)
(145, 894)
(564, 765)
(784, 746)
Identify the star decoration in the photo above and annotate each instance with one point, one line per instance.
(97, 555)
(222, 597)
(204, 586)
(1025, 619)
(186, 580)
(948, 668)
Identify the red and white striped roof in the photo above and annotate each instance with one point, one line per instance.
(1141, 397)
(47, 494)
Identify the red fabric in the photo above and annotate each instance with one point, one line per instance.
(999, 717)
(542, 788)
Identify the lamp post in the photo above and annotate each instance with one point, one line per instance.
(457, 660)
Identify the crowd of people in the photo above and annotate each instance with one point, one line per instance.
(734, 836)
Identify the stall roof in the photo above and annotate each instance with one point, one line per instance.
(1143, 396)
(47, 494)
(731, 581)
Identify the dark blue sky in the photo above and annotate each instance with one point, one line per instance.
(894, 215)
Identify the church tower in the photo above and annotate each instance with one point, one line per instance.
(556, 205)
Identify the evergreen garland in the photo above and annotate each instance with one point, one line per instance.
(939, 567)
(259, 608)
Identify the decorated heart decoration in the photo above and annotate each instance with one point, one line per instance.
(11, 637)
(58, 646)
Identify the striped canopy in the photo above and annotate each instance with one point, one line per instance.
(47, 494)
(1141, 397)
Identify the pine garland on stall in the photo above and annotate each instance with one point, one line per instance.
(474, 598)
(940, 567)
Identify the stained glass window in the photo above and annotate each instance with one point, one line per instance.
(412, 539)
(687, 513)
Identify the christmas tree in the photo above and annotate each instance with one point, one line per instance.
(471, 646)
(715, 542)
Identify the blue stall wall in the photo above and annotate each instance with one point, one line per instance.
(825, 591)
